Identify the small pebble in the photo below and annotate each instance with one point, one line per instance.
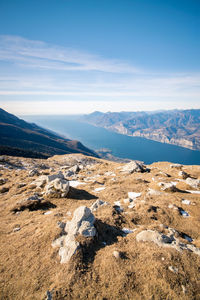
(48, 212)
(184, 289)
(187, 202)
(173, 269)
(116, 254)
(16, 229)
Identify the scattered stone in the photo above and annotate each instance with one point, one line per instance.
(183, 289)
(187, 202)
(116, 254)
(33, 172)
(172, 206)
(96, 205)
(183, 175)
(128, 200)
(152, 192)
(183, 213)
(61, 224)
(75, 183)
(40, 181)
(167, 186)
(21, 184)
(99, 189)
(193, 192)
(110, 174)
(187, 237)
(30, 203)
(164, 174)
(134, 166)
(133, 195)
(4, 190)
(127, 230)
(49, 296)
(176, 166)
(163, 240)
(58, 242)
(48, 213)
(82, 224)
(16, 229)
(3, 181)
(55, 176)
(195, 183)
(173, 269)
(57, 188)
(74, 170)
(131, 205)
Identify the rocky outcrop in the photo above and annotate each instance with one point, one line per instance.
(134, 166)
(162, 240)
(82, 224)
(194, 183)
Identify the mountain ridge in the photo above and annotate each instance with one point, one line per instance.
(178, 127)
(20, 137)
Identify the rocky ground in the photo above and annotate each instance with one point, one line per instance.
(74, 227)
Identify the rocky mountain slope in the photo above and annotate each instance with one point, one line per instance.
(77, 227)
(20, 138)
(178, 127)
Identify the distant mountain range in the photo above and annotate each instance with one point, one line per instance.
(20, 138)
(178, 127)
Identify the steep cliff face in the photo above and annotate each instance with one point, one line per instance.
(180, 128)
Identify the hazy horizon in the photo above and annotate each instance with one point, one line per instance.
(78, 56)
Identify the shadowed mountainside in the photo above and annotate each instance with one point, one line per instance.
(21, 138)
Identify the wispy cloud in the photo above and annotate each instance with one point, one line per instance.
(41, 55)
(35, 69)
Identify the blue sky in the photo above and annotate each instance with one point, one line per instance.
(77, 56)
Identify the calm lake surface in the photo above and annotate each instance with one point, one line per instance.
(122, 146)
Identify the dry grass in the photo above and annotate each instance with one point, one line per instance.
(29, 266)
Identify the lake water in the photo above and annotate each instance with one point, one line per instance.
(122, 146)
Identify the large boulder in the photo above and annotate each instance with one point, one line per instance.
(167, 241)
(134, 166)
(167, 187)
(82, 224)
(194, 183)
(57, 188)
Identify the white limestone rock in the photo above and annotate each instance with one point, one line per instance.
(134, 166)
(176, 166)
(81, 214)
(70, 245)
(55, 176)
(167, 186)
(133, 195)
(82, 223)
(57, 188)
(97, 204)
(168, 241)
(40, 181)
(195, 183)
(2, 181)
(33, 172)
(183, 175)
(116, 254)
